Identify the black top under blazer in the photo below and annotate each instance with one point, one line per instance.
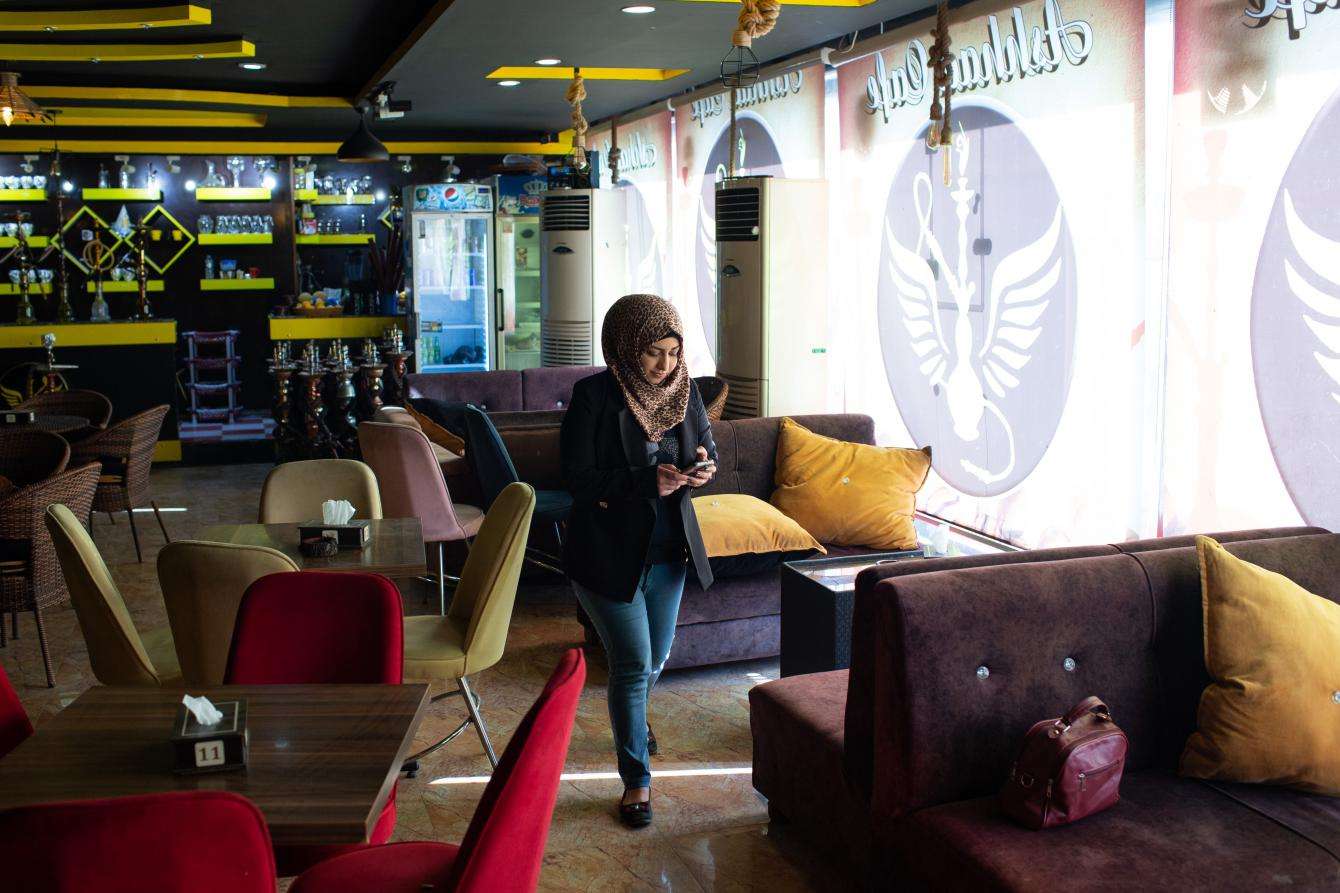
(609, 468)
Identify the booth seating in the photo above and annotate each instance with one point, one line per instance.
(504, 390)
(897, 762)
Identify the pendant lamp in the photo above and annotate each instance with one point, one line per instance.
(361, 144)
(15, 104)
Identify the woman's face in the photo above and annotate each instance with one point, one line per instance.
(660, 359)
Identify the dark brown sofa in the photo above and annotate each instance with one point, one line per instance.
(895, 764)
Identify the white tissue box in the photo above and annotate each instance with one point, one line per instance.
(353, 535)
(219, 747)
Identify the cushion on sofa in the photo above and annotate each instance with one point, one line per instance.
(747, 449)
(436, 433)
(847, 493)
(744, 535)
(1165, 833)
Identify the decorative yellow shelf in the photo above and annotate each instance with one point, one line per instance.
(335, 239)
(10, 288)
(343, 199)
(33, 241)
(232, 194)
(304, 195)
(90, 334)
(237, 238)
(23, 195)
(112, 285)
(299, 327)
(123, 195)
(260, 283)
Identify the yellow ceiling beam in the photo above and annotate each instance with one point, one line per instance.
(127, 52)
(202, 97)
(90, 116)
(282, 147)
(106, 19)
(560, 73)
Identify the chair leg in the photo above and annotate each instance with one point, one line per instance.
(134, 535)
(161, 526)
(441, 580)
(42, 643)
(472, 704)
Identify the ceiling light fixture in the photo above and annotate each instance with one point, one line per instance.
(361, 145)
(640, 10)
(547, 61)
(509, 83)
(15, 105)
(252, 66)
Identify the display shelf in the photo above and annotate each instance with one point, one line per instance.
(122, 195)
(123, 286)
(288, 328)
(232, 194)
(23, 195)
(236, 238)
(454, 327)
(33, 241)
(90, 334)
(259, 283)
(456, 367)
(335, 239)
(528, 274)
(10, 288)
(357, 198)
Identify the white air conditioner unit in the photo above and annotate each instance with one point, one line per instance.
(772, 295)
(583, 243)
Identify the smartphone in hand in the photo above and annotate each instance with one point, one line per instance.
(697, 467)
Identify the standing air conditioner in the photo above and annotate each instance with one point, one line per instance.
(772, 295)
(583, 243)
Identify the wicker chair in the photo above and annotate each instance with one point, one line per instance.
(27, 457)
(126, 450)
(86, 404)
(713, 391)
(30, 574)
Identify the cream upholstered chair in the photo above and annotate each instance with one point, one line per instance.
(202, 586)
(117, 651)
(472, 635)
(294, 491)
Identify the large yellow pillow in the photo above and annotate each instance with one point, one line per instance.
(736, 524)
(849, 494)
(1271, 713)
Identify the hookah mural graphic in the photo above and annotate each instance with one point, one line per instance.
(986, 342)
(1295, 329)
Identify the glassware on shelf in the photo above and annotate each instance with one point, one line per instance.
(236, 164)
(104, 178)
(205, 224)
(209, 266)
(212, 177)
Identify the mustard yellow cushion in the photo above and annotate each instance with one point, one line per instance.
(436, 433)
(1271, 713)
(736, 524)
(849, 494)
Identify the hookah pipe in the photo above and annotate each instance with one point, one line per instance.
(25, 316)
(64, 311)
(142, 309)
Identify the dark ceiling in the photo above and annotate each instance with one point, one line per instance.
(335, 48)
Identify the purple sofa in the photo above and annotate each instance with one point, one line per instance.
(895, 763)
(503, 390)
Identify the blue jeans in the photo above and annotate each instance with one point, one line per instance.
(637, 636)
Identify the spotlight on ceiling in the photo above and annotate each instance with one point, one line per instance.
(547, 61)
(361, 144)
(509, 83)
(252, 66)
(189, 185)
(639, 10)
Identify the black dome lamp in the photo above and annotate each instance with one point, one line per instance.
(362, 146)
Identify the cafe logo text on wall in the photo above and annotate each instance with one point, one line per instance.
(638, 154)
(1001, 59)
(1295, 12)
(780, 87)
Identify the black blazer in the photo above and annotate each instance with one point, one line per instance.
(610, 470)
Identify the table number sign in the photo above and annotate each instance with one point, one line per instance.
(214, 747)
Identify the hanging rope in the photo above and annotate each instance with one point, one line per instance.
(576, 93)
(757, 18)
(940, 133)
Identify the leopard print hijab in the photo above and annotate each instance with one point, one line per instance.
(634, 323)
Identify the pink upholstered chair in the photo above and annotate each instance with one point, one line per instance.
(412, 486)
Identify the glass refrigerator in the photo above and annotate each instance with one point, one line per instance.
(452, 300)
(517, 225)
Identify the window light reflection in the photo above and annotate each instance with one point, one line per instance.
(610, 776)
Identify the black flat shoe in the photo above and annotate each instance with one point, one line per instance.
(651, 741)
(635, 815)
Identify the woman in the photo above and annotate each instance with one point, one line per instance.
(635, 441)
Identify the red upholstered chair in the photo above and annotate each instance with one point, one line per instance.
(182, 842)
(14, 725)
(504, 846)
(319, 627)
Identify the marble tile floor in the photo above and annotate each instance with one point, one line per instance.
(711, 830)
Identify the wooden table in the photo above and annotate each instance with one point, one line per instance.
(395, 546)
(322, 758)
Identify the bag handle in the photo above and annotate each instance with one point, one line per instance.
(1091, 704)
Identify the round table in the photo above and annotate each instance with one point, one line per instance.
(55, 424)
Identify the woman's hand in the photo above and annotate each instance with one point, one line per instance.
(669, 479)
(702, 476)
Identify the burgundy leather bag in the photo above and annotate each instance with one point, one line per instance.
(1067, 768)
